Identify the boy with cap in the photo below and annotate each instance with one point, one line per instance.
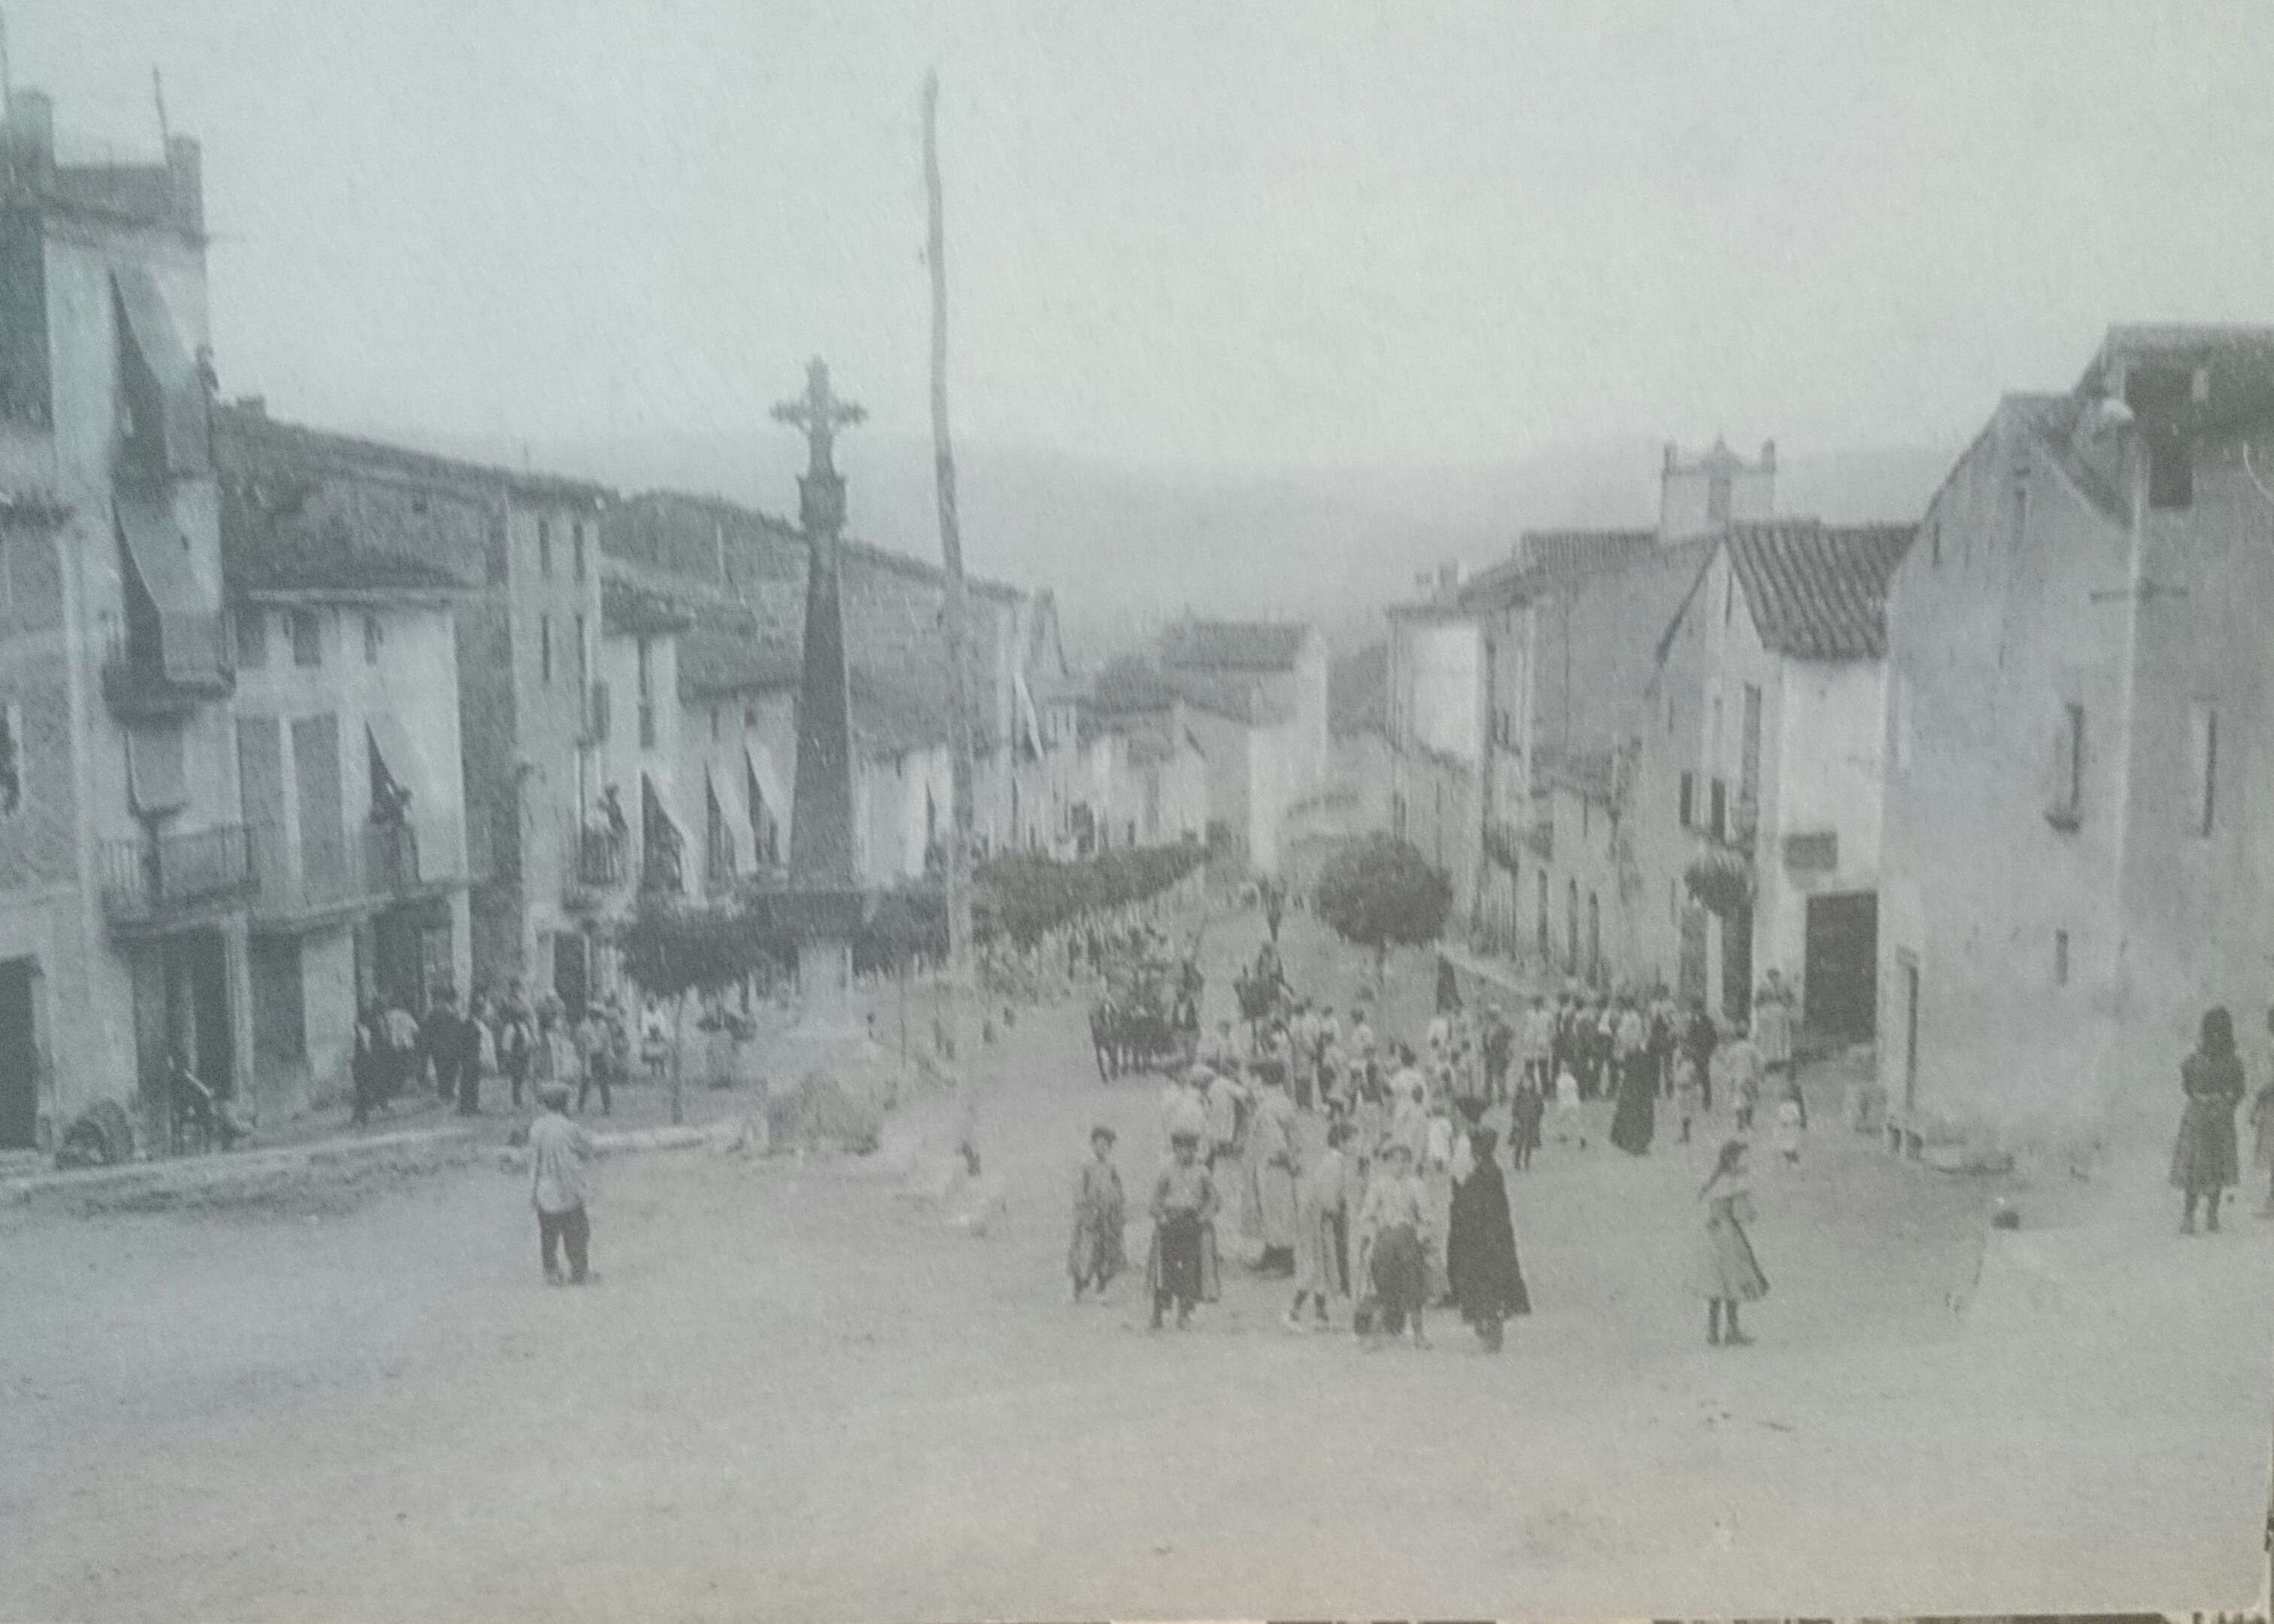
(559, 1183)
(1183, 1211)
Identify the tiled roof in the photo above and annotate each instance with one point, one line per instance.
(1233, 646)
(1134, 685)
(1551, 561)
(357, 574)
(246, 439)
(1818, 591)
(629, 611)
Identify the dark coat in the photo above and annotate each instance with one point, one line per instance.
(1480, 1249)
(2204, 1157)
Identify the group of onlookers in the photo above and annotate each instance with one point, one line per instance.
(505, 1036)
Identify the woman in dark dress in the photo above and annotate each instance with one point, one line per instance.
(1480, 1247)
(2204, 1162)
(1636, 1120)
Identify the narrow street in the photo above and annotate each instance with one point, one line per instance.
(793, 1395)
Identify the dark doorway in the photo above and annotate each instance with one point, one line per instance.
(571, 979)
(1737, 967)
(1692, 972)
(1842, 967)
(197, 1010)
(20, 1059)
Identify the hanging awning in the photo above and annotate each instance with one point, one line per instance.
(397, 759)
(150, 328)
(1029, 724)
(157, 776)
(773, 794)
(161, 557)
(732, 791)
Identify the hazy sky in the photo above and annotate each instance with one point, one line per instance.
(1205, 233)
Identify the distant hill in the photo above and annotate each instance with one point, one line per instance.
(1127, 547)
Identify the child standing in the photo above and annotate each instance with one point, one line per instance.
(1742, 1057)
(1790, 1120)
(1184, 1212)
(1688, 1091)
(1094, 1257)
(1570, 1122)
(559, 1185)
(1395, 1223)
(1727, 1272)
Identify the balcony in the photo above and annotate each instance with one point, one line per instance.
(382, 864)
(177, 879)
(164, 667)
(601, 869)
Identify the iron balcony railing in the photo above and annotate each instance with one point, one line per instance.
(149, 881)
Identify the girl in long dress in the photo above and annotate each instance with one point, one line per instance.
(1480, 1246)
(2204, 1163)
(1275, 1178)
(1727, 1273)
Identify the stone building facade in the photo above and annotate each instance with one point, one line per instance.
(2080, 741)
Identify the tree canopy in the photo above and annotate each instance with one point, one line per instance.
(1379, 891)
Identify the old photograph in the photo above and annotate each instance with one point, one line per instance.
(934, 811)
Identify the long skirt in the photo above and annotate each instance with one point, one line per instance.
(1636, 1120)
(1183, 1262)
(2204, 1158)
(1318, 1251)
(1724, 1268)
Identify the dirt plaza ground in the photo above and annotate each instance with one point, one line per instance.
(793, 1395)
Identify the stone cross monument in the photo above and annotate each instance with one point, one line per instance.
(825, 894)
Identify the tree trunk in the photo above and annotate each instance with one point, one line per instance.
(677, 1042)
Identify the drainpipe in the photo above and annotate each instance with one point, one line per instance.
(2135, 574)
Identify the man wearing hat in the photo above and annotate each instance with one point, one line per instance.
(560, 1183)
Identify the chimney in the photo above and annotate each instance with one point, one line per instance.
(186, 184)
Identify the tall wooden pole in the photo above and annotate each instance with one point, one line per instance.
(951, 548)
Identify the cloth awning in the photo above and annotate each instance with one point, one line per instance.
(397, 756)
(732, 791)
(157, 775)
(773, 794)
(161, 557)
(150, 326)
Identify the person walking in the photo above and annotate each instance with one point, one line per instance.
(366, 1071)
(1095, 1256)
(2203, 1166)
(559, 1185)
(1727, 1272)
(594, 1067)
(1480, 1246)
(1635, 1121)
(439, 1042)
(475, 1053)
(1700, 1037)
(1772, 1023)
(1689, 1093)
(1275, 1162)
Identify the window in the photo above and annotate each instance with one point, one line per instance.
(2066, 807)
(371, 637)
(12, 759)
(1750, 745)
(544, 547)
(583, 674)
(1718, 819)
(544, 648)
(576, 538)
(1934, 541)
(2202, 766)
(252, 640)
(2060, 958)
(307, 638)
(2170, 469)
(1688, 792)
(1541, 877)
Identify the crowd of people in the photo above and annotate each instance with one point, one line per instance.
(509, 1038)
(1365, 1172)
